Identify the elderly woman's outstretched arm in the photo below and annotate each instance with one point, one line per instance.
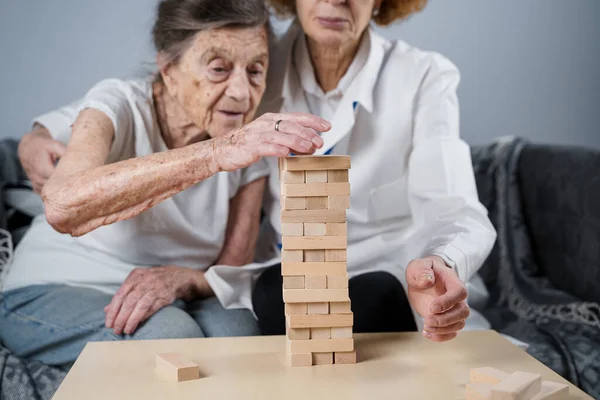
(85, 193)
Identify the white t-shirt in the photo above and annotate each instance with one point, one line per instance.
(186, 230)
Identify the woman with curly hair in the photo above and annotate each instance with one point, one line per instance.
(416, 229)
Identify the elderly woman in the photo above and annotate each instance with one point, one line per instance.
(417, 233)
(159, 182)
(415, 217)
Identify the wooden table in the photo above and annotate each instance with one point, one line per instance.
(391, 366)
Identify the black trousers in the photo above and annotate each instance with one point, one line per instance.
(378, 302)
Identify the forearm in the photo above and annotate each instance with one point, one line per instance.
(84, 201)
(243, 225)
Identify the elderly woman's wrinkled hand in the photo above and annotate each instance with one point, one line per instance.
(38, 153)
(270, 135)
(147, 290)
(439, 296)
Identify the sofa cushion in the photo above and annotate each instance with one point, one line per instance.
(560, 189)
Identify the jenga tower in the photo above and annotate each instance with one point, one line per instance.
(315, 194)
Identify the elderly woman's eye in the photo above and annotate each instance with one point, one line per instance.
(219, 70)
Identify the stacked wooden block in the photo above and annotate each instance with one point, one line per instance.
(315, 194)
(492, 384)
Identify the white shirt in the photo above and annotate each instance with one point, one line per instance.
(186, 230)
(413, 189)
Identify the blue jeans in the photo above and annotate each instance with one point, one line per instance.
(53, 323)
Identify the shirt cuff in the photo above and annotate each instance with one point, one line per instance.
(454, 258)
(57, 124)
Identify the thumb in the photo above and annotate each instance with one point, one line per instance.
(57, 149)
(419, 274)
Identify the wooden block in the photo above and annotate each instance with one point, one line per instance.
(517, 386)
(312, 163)
(321, 345)
(337, 281)
(322, 358)
(479, 391)
(318, 308)
(177, 367)
(336, 202)
(335, 255)
(347, 357)
(316, 176)
(293, 203)
(315, 189)
(294, 282)
(296, 229)
(292, 256)
(298, 334)
(316, 203)
(552, 391)
(314, 255)
(340, 308)
(341, 333)
(489, 375)
(336, 229)
(299, 359)
(293, 177)
(313, 216)
(315, 229)
(316, 282)
(321, 321)
(314, 242)
(320, 333)
(340, 175)
(313, 268)
(296, 309)
(315, 295)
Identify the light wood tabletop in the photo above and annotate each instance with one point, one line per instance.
(390, 366)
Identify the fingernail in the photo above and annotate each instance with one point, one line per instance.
(325, 125)
(436, 308)
(426, 278)
(306, 146)
(427, 334)
(317, 141)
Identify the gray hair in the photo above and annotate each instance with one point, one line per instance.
(178, 21)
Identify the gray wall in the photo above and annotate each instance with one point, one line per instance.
(529, 68)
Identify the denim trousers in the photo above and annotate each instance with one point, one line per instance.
(53, 323)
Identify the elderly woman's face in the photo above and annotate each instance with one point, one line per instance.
(219, 81)
(335, 22)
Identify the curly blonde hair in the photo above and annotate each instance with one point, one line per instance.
(389, 11)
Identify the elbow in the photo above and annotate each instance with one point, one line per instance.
(57, 212)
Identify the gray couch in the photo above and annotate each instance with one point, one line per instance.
(543, 274)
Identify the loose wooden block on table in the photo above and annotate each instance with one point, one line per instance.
(312, 163)
(335, 255)
(346, 357)
(489, 375)
(315, 295)
(317, 308)
(479, 391)
(319, 229)
(296, 309)
(340, 175)
(316, 189)
(296, 229)
(316, 176)
(315, 203)
(314, 256)
(336, 229)
(340, 308)
(314, 242)
(552, 391)
(321, 345)
(320, 333)
(517, 386)
(313, 268)
(292, 256)
(320, 321)
(337, 202)
(293, 282)
(177, 367)
(299, 359)
(337, 281)
(322, 358)
(313, 216)
(315, 282)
